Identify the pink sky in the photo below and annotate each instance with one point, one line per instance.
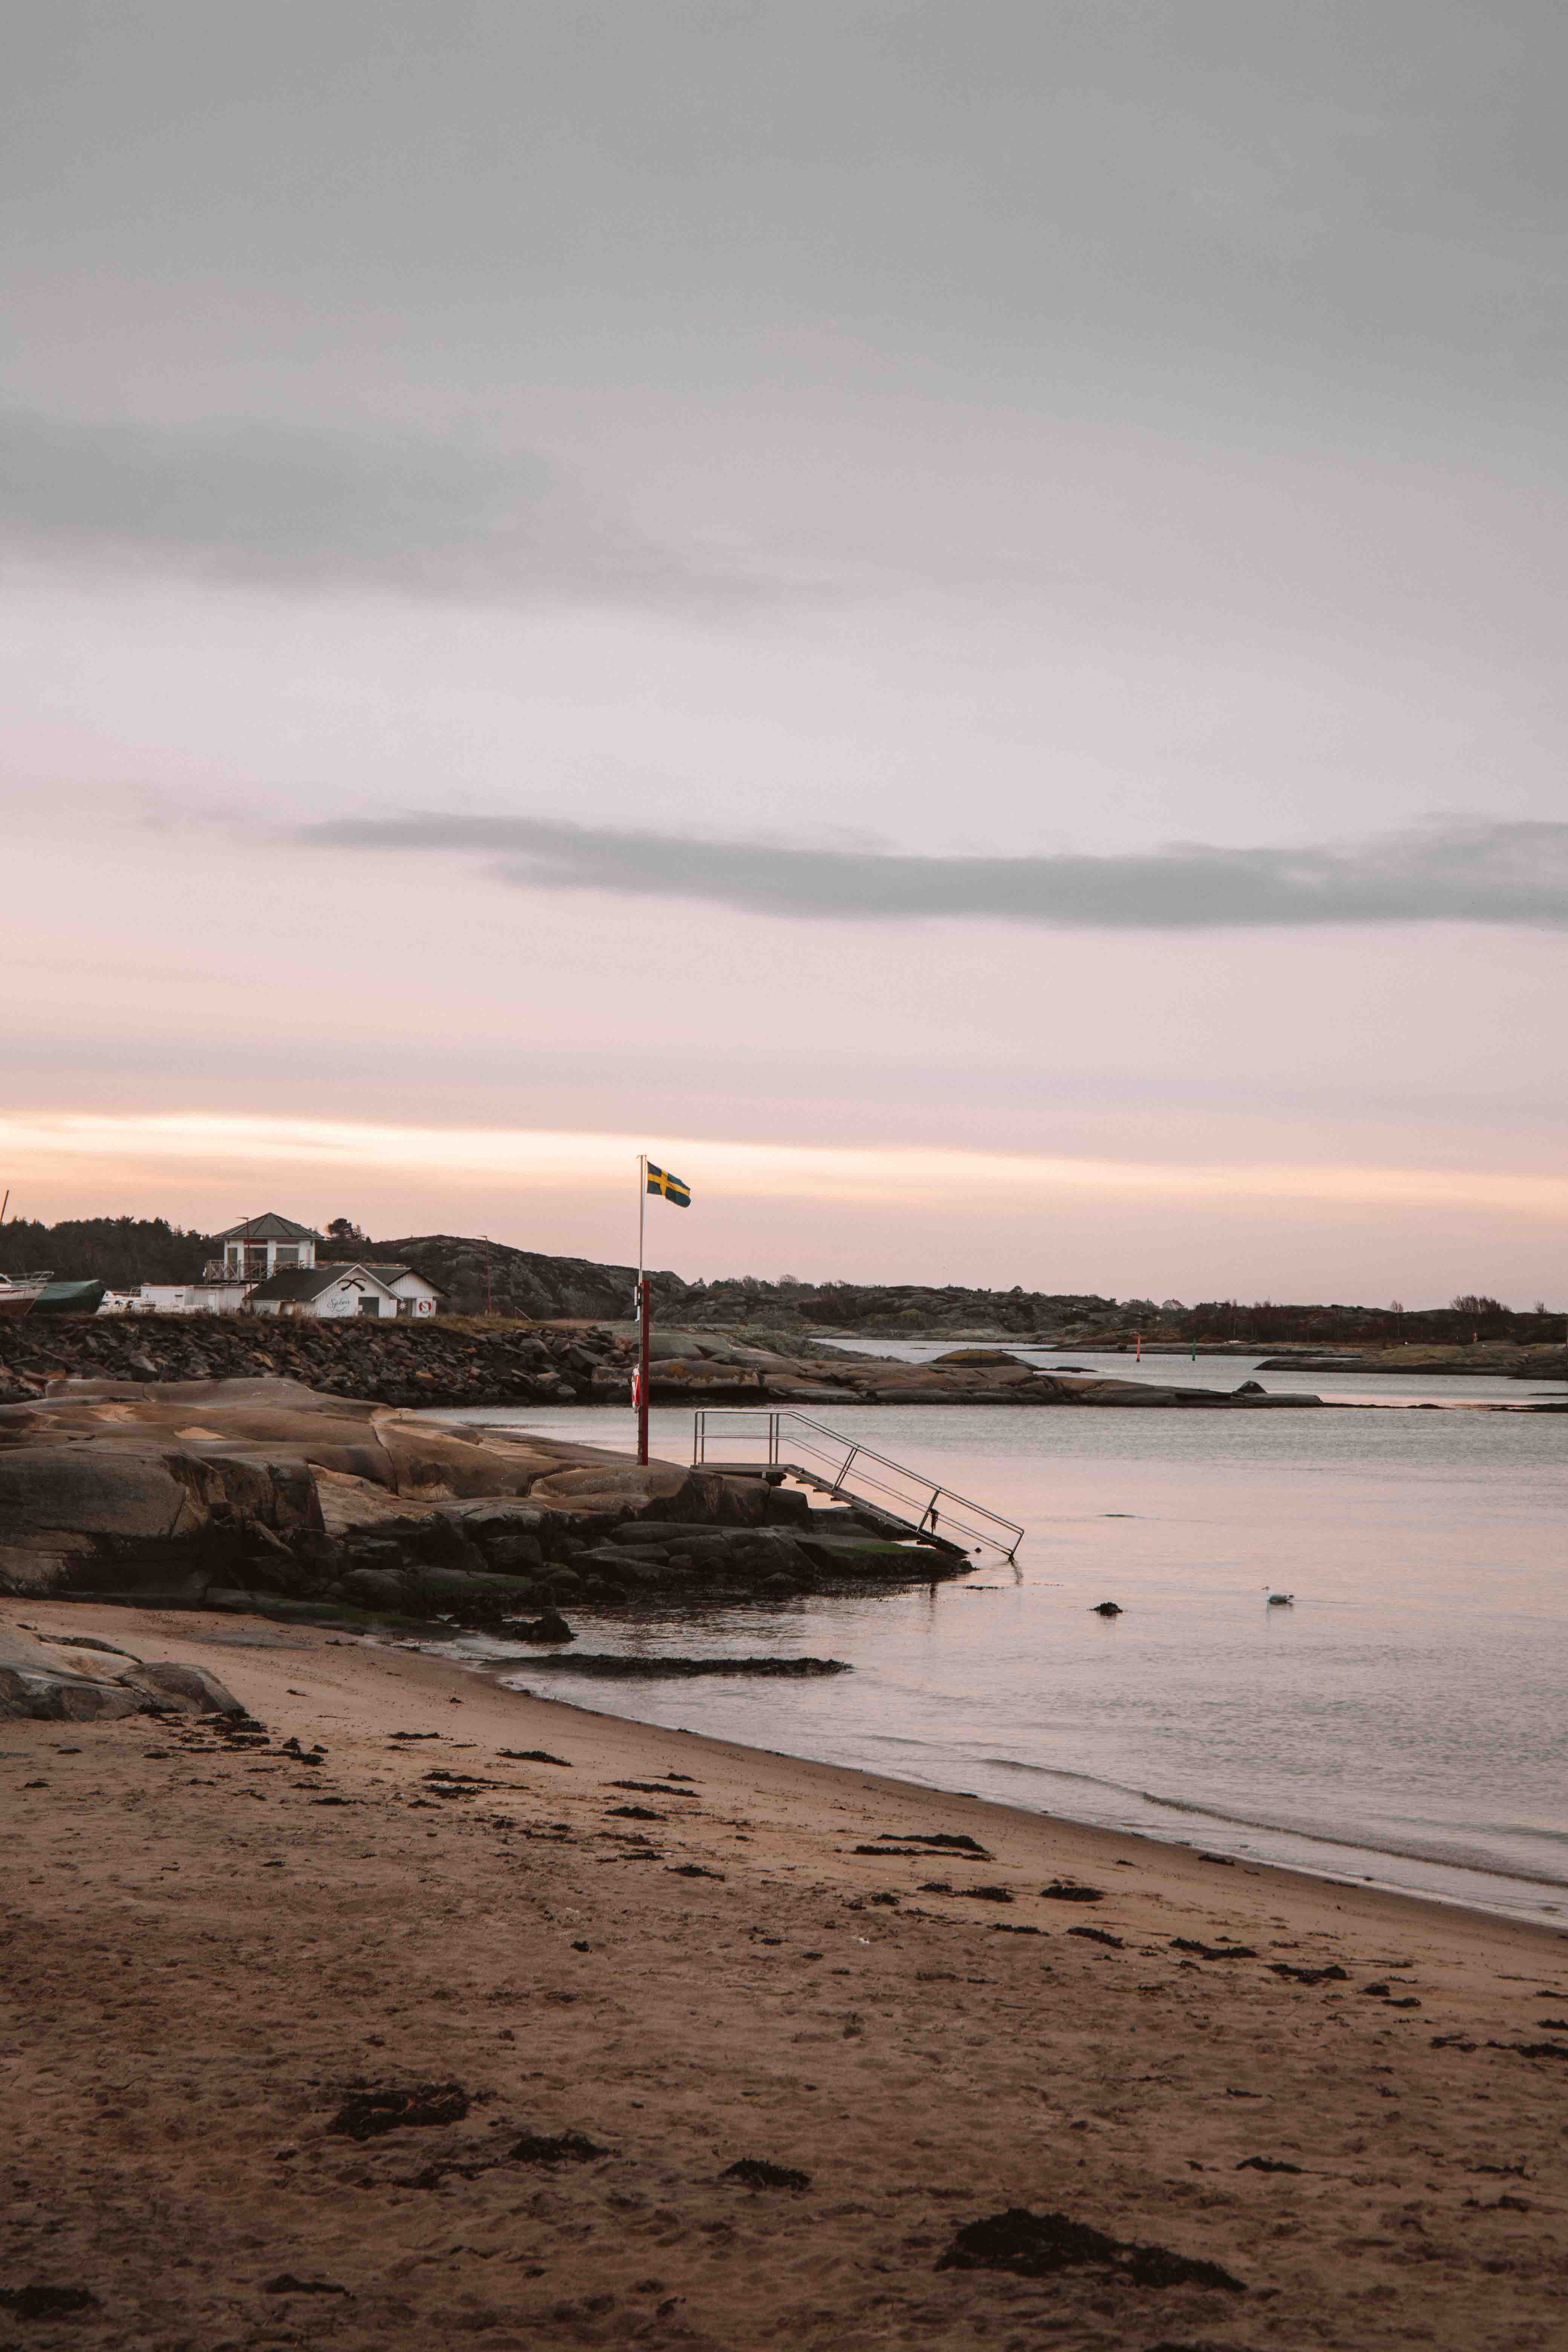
(1032, 562)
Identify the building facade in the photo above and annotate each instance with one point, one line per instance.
(380, 1291)
(261, 1247)
(268, 1268)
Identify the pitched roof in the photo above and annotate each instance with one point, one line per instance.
(309, 1281)
(391, 1273)
(269, 1228)
(385, 1271)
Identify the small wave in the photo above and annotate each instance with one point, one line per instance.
(1444, 1846)
(1058, 1772)
(1373, 1839)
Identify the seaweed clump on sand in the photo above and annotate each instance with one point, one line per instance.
(606, 1666)
(757, 2172)
(382, 2108)
(1038, 2245)
(556, 2147)
(47, 2301)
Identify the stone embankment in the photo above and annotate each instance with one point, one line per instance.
(451, 1361)
(458, 1361)
(261, 1492)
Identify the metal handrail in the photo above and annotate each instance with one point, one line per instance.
(853, 1451)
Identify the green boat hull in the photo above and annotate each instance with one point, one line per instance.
(69, 1298)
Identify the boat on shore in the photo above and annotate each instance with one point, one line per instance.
(20, 1293)
(69, 1298)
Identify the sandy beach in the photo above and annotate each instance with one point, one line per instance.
(225, 1964)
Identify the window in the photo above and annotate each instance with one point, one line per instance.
(370, 1305)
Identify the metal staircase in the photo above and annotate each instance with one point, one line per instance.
(841, 1468)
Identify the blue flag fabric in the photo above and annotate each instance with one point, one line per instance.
(668, 1187)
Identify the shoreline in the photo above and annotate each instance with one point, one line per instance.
(205, 1963)
(497, 1673)
(233, 1633)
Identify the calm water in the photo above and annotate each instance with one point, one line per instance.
(1404, 1721)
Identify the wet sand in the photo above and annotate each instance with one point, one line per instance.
(212, 1951)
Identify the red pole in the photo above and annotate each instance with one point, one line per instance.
(643, 1362)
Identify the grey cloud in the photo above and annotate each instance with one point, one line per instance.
(280, 505)
(1469, 872)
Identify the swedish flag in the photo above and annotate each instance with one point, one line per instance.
(668, 1187)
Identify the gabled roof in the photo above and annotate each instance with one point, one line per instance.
(383, 1271)
(391, 1274)
(309, 1281)
(270, 1228)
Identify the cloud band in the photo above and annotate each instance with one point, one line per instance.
(1462, 872)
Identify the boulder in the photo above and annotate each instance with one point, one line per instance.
(36, 1684)
(86, 1490)
(192, 1684)
(788, 1506)
(376, 1588)
(57, 1697)
(549, 1627)
(980, 1358)
(506, 1546)
(859, 1555)
(437, 1588)
(625, 1569)
(605, 1486)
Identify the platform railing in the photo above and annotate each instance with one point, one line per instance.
(841, 1466)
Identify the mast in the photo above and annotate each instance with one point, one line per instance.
(643, 1314)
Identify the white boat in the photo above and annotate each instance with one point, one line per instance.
(20, 1292)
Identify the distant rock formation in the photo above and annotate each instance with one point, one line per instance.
(452, 1362)
(524, 1282)
(535, 1285)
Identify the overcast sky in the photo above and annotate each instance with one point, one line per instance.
(948, 617)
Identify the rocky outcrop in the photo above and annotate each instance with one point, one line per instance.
(492, 1277)
(91, 1681)
(236, 1493)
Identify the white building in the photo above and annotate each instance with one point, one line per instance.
(335, 1290)
(261, 1247)
(268, 1268)
(204, 1298)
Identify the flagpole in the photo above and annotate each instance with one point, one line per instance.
(644, 1351)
